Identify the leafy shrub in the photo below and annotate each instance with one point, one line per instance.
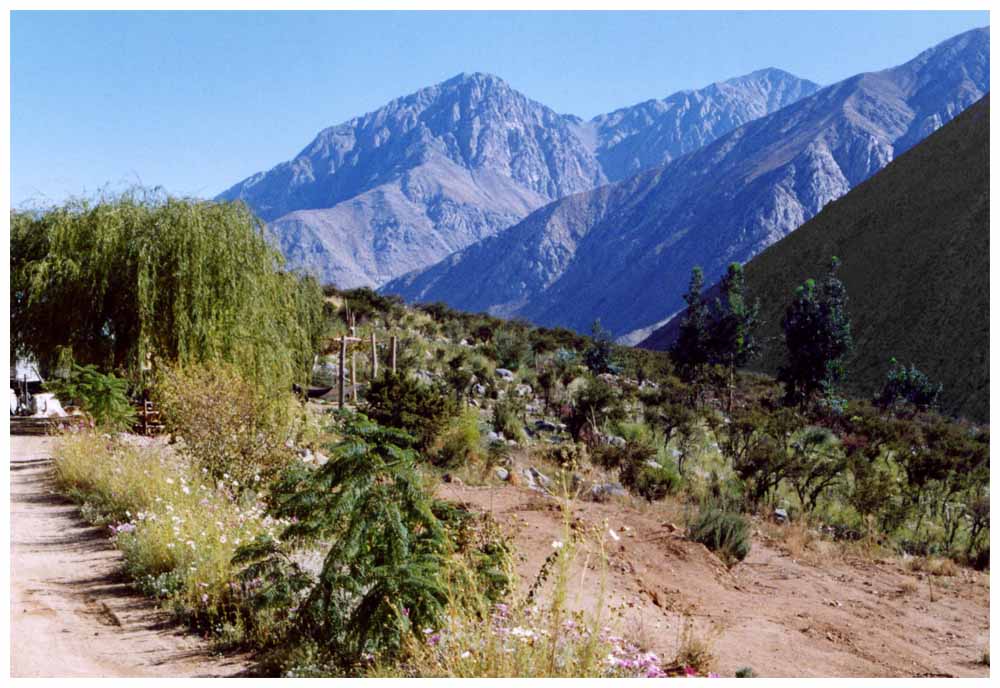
(597, 402)
(398, 400)
(650, 479)
(383, 578)
(908, 386)
(103, 397)
(599, 356)
(510, 349)
(724, 532)
(508, 417)
(745, 672)
(229, 427)
(460, 443)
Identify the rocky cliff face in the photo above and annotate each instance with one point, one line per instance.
(431, 173)
(623, 253)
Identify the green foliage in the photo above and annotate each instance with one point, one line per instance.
(599, 355)
(398, 400)
(817, 337)
(509, 417)
(230, 428)
(459, 444)
(745, 672)
(596, 403)
(731, 331)
(908, 387)
(691, 350)
(382, 578)
(511, 349)
(648, 478)
(143, 278)
(103, 397)
(724, 532)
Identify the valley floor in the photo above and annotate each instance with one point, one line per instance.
(781, 616)
(72, 613)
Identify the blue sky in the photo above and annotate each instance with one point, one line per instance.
(196, 101)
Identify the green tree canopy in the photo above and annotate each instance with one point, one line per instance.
(818, 337)
(131, 280)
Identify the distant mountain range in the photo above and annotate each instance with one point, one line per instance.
(913, 242)
(431, 173)
(623, 252)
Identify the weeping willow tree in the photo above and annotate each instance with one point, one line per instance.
(134, 280)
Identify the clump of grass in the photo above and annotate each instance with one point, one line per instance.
(694, 651)
(934, 566)
(724, 532)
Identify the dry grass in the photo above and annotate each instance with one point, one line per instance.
(934, 566)
(694, 650)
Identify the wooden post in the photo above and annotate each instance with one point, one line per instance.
(393, 353)
(374, 358)
(354, 379)
(342, 372)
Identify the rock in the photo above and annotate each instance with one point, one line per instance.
(505, 374)
(523, 390)
(545, 426)
(653, 464)
(479, 390)
(536, 479)
(449, 478)
(494, 436)
(502, 474)
(604, 491)
(780, 516)
(615, 441)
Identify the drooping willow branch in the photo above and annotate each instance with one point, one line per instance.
(130, 280)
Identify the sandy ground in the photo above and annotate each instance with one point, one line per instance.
(72, 614)
(780, 616)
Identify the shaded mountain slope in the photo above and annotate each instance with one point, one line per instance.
(914, 245)
(623, 253)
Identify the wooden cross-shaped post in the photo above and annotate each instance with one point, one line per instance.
(342, 372)
(374, 357)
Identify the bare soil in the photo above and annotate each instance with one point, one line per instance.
(71, 611)
(839, 617)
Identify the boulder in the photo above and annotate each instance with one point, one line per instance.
(780, 516)
(604, 491)
(505, 374)
(502, 474)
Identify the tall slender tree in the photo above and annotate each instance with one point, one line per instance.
(731, 329)
(691, 350)
(818, 337)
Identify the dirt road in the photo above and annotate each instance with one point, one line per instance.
(72, 614)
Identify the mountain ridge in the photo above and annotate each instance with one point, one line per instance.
(429, 173)
(627, 259)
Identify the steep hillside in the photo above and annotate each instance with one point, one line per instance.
(623, 253)
(914, 245)
(428, 174)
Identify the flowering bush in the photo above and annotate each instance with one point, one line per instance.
(177, 526)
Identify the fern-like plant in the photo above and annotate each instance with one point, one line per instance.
(382, 577)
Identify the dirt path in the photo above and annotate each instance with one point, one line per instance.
(774, 613)
(71, 612)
